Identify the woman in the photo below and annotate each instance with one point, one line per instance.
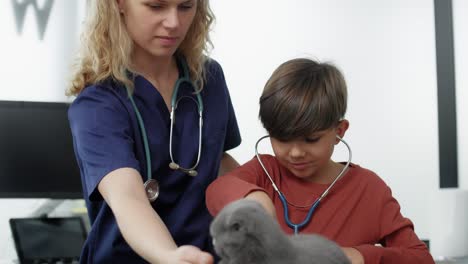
(134, 55)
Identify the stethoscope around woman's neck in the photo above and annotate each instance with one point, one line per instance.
(315, 204)
(151, 185)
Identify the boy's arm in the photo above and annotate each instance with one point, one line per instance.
(354, 256)
(235, 185)
(400, 244)
(262, 198)
(388, 254)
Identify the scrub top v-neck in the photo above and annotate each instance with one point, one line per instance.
(107, 137)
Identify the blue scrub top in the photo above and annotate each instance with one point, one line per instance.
(107, 137)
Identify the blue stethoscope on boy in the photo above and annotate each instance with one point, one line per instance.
(151, 185)
(312, 206)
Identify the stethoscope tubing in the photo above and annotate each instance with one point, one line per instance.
(145, 139)
(174, 103)
(284, 201)
(151, 185)
(200, 129)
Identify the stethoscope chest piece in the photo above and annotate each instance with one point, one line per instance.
(152, 189)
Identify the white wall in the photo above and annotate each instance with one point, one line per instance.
(34, 70)
(386, 50)
(460, 11)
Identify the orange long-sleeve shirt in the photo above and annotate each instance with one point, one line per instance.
(359, 211)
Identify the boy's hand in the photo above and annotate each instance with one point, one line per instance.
(353, 255)
(188, 255)
(263, 198)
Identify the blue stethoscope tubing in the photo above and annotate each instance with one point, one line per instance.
(174, 102)
(284, 201)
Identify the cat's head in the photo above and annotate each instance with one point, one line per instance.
(238, 229)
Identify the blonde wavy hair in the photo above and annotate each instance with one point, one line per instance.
(106, 47)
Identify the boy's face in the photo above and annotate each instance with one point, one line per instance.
(308, 158)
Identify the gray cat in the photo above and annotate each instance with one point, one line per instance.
(243, 233)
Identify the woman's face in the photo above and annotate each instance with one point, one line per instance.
(157, 27)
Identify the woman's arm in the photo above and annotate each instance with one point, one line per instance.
(228, 163)
(139, 224)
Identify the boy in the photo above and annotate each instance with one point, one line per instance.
(302, 108)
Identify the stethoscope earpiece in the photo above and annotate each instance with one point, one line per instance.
(192, 173)
(174, 166)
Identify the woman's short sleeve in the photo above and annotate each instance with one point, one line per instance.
(233, 137)
(103, 136)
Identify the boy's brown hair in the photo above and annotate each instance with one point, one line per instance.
(302, 97)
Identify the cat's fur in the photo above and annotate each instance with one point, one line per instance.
(244, 233)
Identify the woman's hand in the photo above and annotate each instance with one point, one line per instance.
(188, 255)
(353, 255)
(123, 191)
